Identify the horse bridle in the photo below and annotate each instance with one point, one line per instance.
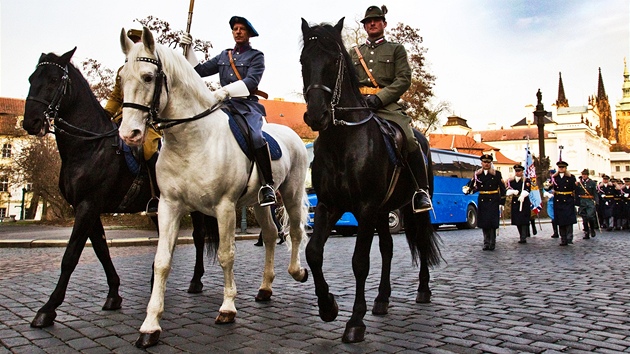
(154, 120)
(51, 113)
(336, 93)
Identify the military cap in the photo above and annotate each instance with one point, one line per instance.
(134, 34)
(562, 163)
(518, 167)
(605, 176)
(242, 20)
(486, 158)
(375, 12)
(626, 179)
(585, 172)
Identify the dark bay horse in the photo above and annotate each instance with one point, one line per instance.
(351, 171)
(94, 176)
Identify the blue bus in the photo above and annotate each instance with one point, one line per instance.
(451, 170)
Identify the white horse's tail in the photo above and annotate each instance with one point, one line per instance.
(285, 223)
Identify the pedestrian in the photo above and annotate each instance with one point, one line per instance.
(564, 202)
(548, 187)
(606, 192)
(519, 188)
(586, 193)
(491, 187)
(246, 64)
(384, 76)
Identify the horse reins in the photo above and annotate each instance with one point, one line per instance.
(336, 94)
(52, 111)
(154, 120)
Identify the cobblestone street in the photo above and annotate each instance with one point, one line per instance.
(536, 297)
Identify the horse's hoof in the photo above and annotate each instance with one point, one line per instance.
(43, 319)
(148, 339)
(195, 287)
(225, 317)
(112, 303)
(328, 309)
(305, 276)
(353, 335)
(380, 308)
(263, 295)
(423, 297)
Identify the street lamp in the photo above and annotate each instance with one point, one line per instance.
(539, 115)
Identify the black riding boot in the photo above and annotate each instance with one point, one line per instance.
(533, 223)
(593, 225)
(421, 201)
(266, 194)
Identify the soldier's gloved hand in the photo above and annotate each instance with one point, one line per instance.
(374, 102)
(466, 189)
(185, 40)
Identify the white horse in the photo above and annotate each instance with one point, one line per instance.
(201, 167)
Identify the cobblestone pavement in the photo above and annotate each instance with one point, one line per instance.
(537, 297)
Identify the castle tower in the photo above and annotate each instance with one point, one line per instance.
(562, 98)
(602, 106)
(623, 111)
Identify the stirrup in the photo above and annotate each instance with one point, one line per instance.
(419, 209)
(151, 208)
(261, 196)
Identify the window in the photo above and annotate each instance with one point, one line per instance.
(3, 212)
(617, 168)
(6, 150)
(4, 184)
(627, 168)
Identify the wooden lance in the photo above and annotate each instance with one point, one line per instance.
(190, 14)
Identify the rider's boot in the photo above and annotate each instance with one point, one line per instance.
(152, 206)
(421, 201)
(266, 194)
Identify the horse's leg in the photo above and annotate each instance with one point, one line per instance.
(226, 214)
(386, 246)
(297, 212)
(99, 245)
(355, 328)
(270, 233)
(324, 220)
(423, 243)
(169, 220)
(199, 233)
(84, 219)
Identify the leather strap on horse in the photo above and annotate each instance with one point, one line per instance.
(238, 76)
(367, 71)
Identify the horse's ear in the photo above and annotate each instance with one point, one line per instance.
(339, 25)
(147, 39)
(305, 27)
(125, 42)
(65, 58)
(41, 57)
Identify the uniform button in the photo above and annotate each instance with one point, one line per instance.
(371, 61)
(370, 70)
(372, 52)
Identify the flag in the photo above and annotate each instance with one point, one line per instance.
(530, 172)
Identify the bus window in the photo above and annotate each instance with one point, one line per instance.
(468, 166)
(448, 166)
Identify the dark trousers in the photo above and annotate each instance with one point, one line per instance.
(523, 232)
(566, 233)
(554, 226)
(489, 238)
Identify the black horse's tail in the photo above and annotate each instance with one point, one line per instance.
(211, 226)
(423, 241)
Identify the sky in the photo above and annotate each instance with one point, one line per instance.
(489, 56)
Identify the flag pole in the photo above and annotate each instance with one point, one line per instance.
(190, 14)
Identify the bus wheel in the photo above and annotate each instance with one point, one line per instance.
(395, 224)
(471, 218)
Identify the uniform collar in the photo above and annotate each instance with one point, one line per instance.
(242, 48)
(375, 43)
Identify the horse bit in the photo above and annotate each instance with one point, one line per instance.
(52, 111)
(336, 93)
(154, 121)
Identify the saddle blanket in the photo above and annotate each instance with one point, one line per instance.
(274, 148)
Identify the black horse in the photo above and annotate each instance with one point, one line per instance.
(351, 171)
(94, 176)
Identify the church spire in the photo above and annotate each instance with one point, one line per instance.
(601, 92)
(562, 98)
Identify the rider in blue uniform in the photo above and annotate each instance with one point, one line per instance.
(250, 65)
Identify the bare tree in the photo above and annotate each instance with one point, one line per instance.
(430, 117)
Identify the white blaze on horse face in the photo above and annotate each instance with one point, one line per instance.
(136, 90)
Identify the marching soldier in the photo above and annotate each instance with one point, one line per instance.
(384, 76)
(587, 199)
(606, 192)
(618, 213)
(564, 202)
(548, 187)
(491, 187)
(625, 192)
(519, 188)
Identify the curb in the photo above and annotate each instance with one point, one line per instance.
(121, 242)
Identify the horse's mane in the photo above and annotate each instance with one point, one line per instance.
(178, 72)
(326, 38)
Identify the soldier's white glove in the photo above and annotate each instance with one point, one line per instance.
(235, 89)
(521, 198)
(547, 195)
(465, 189)
(625, 195)
(525, 194)
(510, 192)
(186, 40)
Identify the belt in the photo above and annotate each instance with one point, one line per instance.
(365, 90)
(564, 193)
(488, 192)
(609, 196)
(586, 196)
